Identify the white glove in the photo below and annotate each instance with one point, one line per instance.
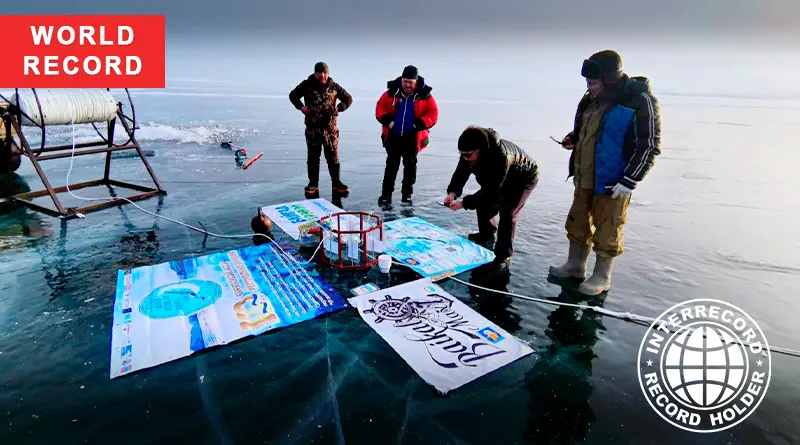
(620, 191)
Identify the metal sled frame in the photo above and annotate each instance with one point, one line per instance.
(13, 119)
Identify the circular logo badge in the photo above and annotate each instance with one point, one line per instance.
(704, 365)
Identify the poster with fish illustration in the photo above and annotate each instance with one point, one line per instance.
(171, 310)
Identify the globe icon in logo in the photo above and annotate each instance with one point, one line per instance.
(704, 365)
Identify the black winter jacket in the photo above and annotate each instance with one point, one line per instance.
(504, 166)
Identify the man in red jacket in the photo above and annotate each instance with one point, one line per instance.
(406, 111)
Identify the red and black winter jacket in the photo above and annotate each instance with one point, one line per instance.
(426, 111)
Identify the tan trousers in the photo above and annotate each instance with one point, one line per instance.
(599, 220)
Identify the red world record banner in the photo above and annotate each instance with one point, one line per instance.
(84, 51)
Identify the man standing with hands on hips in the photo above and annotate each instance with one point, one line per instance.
(614, 142)
(320, 93)
(507, 176)
(406, 110)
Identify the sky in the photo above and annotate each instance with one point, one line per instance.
(321, 19)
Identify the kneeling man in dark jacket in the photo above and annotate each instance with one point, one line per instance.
(507, 176)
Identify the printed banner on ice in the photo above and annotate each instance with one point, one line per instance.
(172, 310)
(431, 250)
(442, 339)
(84, 51)
(292, 217)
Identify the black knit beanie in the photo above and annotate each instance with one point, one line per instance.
(410, 72)
(473, 138)
(321, 67)
(606, 65)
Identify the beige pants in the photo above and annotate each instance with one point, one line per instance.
(599, 220)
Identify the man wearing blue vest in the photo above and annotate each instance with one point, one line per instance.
(614, 142)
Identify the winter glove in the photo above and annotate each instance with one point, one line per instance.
(340, 108)
(386, 119)
(620, 191)
(568, 142)
(418, 124)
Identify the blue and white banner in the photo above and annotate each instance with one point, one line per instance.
(171, 310)
(442, 339)
(293, 216)
(431, 250)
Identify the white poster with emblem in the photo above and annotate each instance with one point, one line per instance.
(442, 339)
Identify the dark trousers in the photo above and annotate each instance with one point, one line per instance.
(509, 207)
(400, 148)
(318, 141)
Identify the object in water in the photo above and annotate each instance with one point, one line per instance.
(131, 154)
(241, 157)
(250, 162)
(225, 145)
(261, 223)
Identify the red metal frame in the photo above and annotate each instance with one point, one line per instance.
(363, 233)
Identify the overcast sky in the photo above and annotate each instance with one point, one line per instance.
(410, 17)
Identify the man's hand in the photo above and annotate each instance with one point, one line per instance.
(449, 199)
(304, 110)
(457, 205)
(567, 142)
(620, 191)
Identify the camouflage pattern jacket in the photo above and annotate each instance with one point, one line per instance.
(321, 102)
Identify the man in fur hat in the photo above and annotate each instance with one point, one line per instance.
(614, 142)
(507, 176)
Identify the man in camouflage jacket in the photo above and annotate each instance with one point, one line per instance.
(320, 93)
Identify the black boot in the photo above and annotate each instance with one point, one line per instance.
(406, 198)
(385, 199)
(313, 175)
(481, 237)
(500, 266)
(312, 191)
(336, 183)
(340, 187)
(496, 268)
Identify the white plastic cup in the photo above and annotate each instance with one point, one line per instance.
(385, 263)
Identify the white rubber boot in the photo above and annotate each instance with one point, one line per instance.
(600, 281)
(575, 267)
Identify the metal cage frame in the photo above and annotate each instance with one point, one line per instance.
(339, 264)
(12, 117)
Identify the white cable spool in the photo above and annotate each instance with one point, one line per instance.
(61, 106)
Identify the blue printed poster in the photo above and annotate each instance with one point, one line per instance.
(431, 250)
(171, 310)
